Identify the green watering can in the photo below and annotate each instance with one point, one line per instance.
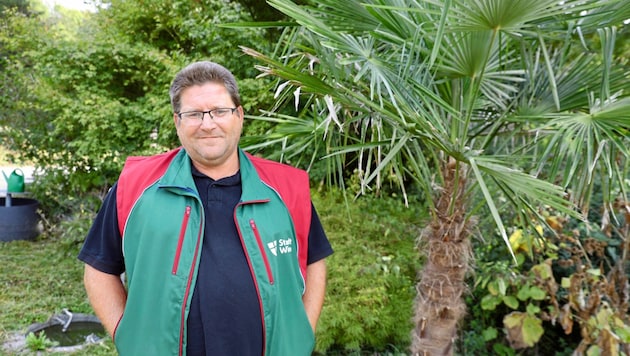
(15, 181)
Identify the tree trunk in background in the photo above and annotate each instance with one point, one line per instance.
(439, 305)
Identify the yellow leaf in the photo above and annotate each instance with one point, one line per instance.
(523, 330)
(553, 222)
(604, 315)
(543, 270)
(566, 282)
(516, 240)
(513, 319)
(594, 271)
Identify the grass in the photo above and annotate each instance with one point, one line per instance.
(39, 279)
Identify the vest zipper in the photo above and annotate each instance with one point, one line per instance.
(189, 283)
(251, 269)
(261, 246)
(180, 240)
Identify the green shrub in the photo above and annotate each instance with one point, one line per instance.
(566, 295)
(371, 275)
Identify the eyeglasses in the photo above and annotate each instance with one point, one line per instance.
(196, 117)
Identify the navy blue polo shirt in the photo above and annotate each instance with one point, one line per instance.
(224, 317)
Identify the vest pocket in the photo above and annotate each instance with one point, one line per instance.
(180, 240)
(261, 247)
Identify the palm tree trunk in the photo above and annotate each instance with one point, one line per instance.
(439, 305)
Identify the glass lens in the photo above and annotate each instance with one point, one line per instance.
(192, 116)
(221, 113)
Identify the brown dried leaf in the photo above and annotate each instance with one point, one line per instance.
(566, 319)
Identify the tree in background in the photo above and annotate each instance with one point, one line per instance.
(85, 90)
(84, 101)
(495, 103)
(19, 5)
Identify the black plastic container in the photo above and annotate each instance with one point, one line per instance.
(19, 221)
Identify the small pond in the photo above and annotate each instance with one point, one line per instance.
(68, 331)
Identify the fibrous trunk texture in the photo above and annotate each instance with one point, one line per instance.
(439, 304)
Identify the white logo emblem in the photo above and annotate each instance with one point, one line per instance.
(272, 247)
(284, 245)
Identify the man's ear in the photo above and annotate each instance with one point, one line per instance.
(176, 119)
(241, 115)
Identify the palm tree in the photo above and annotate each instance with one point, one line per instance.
(503, 99)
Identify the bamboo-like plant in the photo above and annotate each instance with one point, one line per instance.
(508, 100)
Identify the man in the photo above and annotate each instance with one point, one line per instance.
(223, 252)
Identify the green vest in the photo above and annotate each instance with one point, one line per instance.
(162, 221)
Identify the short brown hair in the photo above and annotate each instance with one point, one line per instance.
(200, 73)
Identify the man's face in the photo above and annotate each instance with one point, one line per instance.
(211, 145)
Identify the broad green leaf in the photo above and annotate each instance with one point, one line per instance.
(511, 301)
(527, 291)
(523, 328)
(490, 302)
(532, 330)
(489, 334)
(604, 316)
(523, 292)
(493, 287)
(532, 309)
(594, 350)
(623, 332)
(536, 293)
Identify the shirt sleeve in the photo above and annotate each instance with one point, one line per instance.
(102, 248)
(318, 245)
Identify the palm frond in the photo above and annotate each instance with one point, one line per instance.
(394, 86)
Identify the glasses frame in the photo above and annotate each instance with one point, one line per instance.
(203, 114)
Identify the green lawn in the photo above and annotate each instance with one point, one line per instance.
(39, 279)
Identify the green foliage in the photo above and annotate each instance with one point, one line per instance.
(80, 106)
(19, 5)
(568, 286)
(189, 28)
(371, 274)
(39, 342)
(85, 90)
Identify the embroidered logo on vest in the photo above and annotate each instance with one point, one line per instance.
(282, 245)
